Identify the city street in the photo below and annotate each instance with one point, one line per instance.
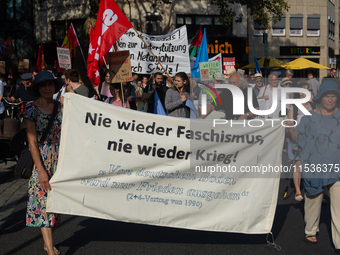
(82, 235)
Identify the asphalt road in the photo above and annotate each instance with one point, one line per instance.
(82, 235)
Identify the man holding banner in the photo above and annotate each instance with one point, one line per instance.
(149, 92)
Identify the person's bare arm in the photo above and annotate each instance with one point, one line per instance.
(146, 96)
(291, 129)
(33, 145)
(10, 99)
(250, 115)
(210, 108)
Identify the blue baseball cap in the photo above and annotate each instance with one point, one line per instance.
(26, 76)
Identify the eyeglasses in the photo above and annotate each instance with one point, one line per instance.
(258, 81)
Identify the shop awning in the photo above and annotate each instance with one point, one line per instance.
(303, 63)
(273, 63)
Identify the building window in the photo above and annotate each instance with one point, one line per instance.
(296, 25)
(259, 29)
(331, 26)
(204, 21)
(213, 25)
(18, 42)
(12, 10)
(279, 28)
(313, 25)
(330, 52)
(59, 29)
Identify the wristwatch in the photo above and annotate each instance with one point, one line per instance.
(247, 114)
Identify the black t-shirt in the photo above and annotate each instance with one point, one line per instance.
(335, 79)
(23, 94)
(227, 103)
(161, 94)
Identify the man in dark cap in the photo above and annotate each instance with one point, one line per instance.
(22, 93)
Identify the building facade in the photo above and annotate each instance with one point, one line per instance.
(309, 30)
(17, 22)
(230, 41)
(52, 19)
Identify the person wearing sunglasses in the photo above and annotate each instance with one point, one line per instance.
(258, 84)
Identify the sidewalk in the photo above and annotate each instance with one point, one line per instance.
(11, 190)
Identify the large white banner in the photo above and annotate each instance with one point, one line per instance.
(171, 50)
(125, 165)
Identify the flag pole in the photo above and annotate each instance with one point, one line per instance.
(107, 66)
(121, 87)
(82, 55)
(157, 60)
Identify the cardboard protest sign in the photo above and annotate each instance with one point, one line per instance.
(120, 66)
(24, 65)
(64, 58)
(2, 67)
(171, 50)
(160, 170)
(208, 69)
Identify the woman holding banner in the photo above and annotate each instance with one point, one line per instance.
(43, 123)
(318, 139)
(104, 88)
(118, 97)
(174, 101)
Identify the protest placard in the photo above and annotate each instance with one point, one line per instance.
(161, 170)
(23, 65)
(2, 67)
(120, 66)
(208, 69)
(228, 63)
(171, 50)
(64, 58)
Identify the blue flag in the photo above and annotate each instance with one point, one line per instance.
(202, 56)
(257, 66)
(193, 111)
(158, 107)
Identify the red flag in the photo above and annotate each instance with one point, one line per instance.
(92, 70)
(41, 65)
(93, 74)
(10, 74)
(110, 26)
(91, 45)
(71, 40)
(7, 48)
(57, 67)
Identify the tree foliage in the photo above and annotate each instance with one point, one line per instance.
(262, 11)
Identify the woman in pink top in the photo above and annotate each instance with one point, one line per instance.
(117, 96)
